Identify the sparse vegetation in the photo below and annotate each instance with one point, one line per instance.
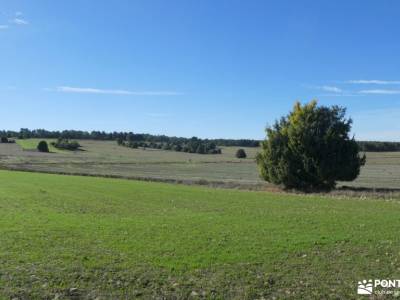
(310, 149)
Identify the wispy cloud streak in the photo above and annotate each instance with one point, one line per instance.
(383, 82)
(341, 95)
(380, 92)
(325, 88)
(332, 89)
(19, 21)
(83, 90)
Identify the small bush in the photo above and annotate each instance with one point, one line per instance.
(120, 141)
(166, 147)
(43, 147)
(201, 149)
(177, 148)
(133, 145)
(66, 144)
(4, 139)
(240, 153)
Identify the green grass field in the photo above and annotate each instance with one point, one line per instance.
(94, 238)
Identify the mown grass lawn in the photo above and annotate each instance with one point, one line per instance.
(82, 237)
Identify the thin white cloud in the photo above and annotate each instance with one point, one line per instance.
(341, 95)
(81, 90)
(2, 27)
(375, 81)
(325, 88)
(19, 21)
(18, 14)
(332, 89)
(380, 92)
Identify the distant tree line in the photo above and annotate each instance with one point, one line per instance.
(379, 146)
(237, 143)
(193, 145)
(26, 133)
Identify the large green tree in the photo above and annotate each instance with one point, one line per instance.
(310, 149)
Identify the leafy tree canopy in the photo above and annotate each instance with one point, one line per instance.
(310, 149)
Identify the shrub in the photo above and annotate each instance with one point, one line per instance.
(120, 141)
(166, 146)
(4, 139)
(201, 149)
(66, 144)
(310, 149)
(43, 147)
(177, 148)
(240, 153)
(133, 145)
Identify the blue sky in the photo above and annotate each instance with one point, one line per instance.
(217, 68)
